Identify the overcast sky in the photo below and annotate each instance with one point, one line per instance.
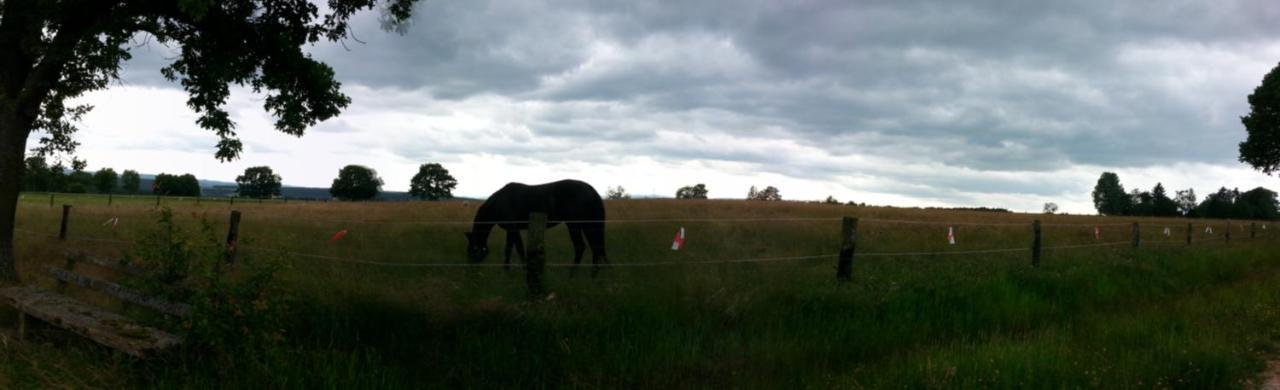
(913, 103)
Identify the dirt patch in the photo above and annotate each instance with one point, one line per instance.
(1271, 376)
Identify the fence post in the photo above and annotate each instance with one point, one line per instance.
(535, 253)
(848, 244)
(1228, 229)
(50, 199)
(66, 213)
(157, 200)
(1136, 235)
(231, 200)
(109, 198)
(1253, 230)
(198, 199)
(1189, 233)
(1035, 244)
(233, 236)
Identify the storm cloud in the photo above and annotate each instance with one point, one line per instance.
(931, 102)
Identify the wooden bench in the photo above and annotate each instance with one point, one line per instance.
(101, 326)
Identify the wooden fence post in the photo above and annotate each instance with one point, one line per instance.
(1253, 230)
(231, 200)
(1136, 235)
(1189, 233)
(110, 197)
(157, 200)
(50, 199)
(233, 236)
(535, 254)
(1035, 244)
(1228, 229)
(66, 213)
(848, 244)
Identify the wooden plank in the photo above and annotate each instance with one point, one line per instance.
(120, 292)
(114, 265)
(109, 329)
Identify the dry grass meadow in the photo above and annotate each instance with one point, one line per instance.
(1163, 315)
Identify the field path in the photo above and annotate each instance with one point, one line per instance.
(1271, 376)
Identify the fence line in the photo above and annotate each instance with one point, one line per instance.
(665, 263)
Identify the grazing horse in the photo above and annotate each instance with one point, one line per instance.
(574, 202)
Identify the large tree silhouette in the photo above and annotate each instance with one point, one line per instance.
(55, 50)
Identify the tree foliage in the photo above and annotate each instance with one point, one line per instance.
(1261, 149)
(432, 182)
(615, 193)
(769, 193)
(258, 182)
(697, 191)
(105, 181)
(174, 185)
(355, 182)
(130, 181)
(1109, 197)
(1050, 208)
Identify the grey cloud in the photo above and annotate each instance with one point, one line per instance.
(990, 86)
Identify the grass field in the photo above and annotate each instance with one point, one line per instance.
(1164, 315)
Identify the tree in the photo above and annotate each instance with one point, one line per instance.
(1050, 208)
(1216, 205)
(1261, 149)
(1141, 203)
(432, 182)
(1261, 202)
(831, 200)
(1161, 204)
(698, 191)
(36, 174)
(105, 180)
(130, 181)
(618, 192)
(258, 182)
(174, 185)
(1109, 197)
(1186, 201)
(769, 193)
(79, 181)
(55, 51)
(356, 182)
(188, 185)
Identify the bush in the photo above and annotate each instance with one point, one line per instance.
(235, 314)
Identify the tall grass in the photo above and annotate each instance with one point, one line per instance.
(1160, 316)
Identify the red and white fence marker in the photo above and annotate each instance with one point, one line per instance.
(1208, 229)
(1097, 233)
(678, 242)
(1166, 231)
(951, 235)
(113, 221)
(338, 236)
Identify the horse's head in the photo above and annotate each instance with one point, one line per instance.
(477, 247)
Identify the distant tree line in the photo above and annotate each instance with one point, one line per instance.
(1110, 198)
(39, 176)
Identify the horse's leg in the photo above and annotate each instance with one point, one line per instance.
(513, 237)
(519, 244)
(595, 238)
(575, 234)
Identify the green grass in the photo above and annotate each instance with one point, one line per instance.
(1161, 316)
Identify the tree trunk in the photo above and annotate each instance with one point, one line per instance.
(13, 143)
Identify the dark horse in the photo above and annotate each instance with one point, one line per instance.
(574, 202)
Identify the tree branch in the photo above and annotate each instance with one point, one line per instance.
(77, 23)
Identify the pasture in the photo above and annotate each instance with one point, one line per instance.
(752, 301)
